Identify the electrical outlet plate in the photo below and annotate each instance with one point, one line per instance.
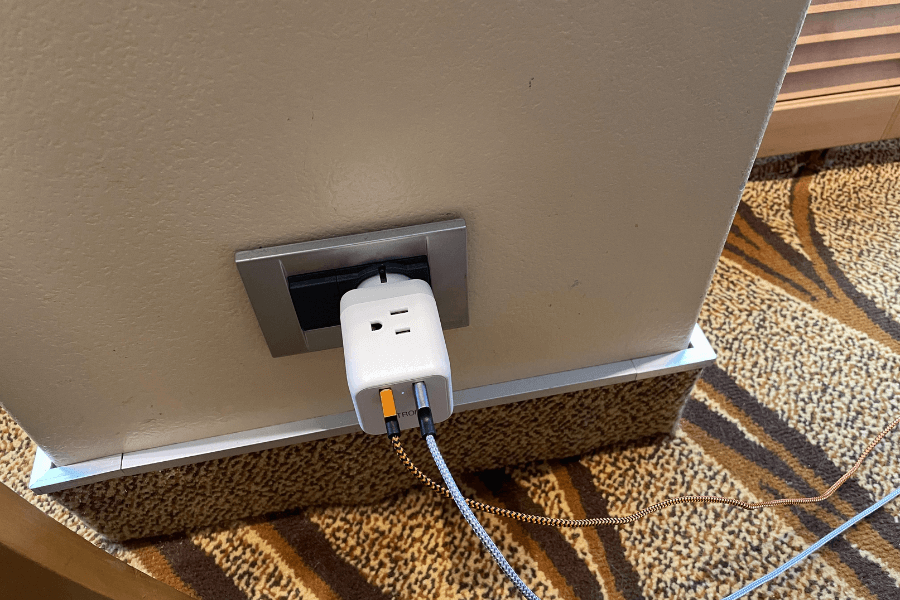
(265, 272)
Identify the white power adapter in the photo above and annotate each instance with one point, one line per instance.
(396, 358)
(393, 339)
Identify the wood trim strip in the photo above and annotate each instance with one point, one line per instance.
(849, 5)
(866, 74)
(840, 89)
(843, 62)
(860, 18)
(842, 49)
(847, 35)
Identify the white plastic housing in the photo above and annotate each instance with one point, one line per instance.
(393, 338)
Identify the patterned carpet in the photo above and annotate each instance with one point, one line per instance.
(804, 311)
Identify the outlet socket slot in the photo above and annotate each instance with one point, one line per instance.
(317, 296)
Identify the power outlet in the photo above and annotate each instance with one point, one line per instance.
(393, 338)
(295, 289)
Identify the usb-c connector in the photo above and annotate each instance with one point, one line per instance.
(423, 410)
(389, 408)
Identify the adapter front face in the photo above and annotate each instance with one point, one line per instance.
(393, 339)
(367, 404)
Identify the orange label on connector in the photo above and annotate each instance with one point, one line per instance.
(387, 403)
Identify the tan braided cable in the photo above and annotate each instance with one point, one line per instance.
(553, 522)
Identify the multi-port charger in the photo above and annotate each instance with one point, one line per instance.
(393, 339)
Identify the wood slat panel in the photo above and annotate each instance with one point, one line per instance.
(814, 123)
(843, 83)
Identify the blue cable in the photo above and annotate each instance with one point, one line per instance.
(769, 577)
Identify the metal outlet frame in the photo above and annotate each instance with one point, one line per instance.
(265, 271)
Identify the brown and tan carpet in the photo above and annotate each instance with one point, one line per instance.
(804, 311)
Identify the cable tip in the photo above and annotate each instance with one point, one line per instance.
(392, 426)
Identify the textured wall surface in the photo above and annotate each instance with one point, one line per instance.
(597, 153)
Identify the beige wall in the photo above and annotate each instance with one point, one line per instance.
(596, 150)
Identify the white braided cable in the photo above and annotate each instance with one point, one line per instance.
(814, 548)
(473, 522)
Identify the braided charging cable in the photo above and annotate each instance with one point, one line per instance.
(470, 518)
(553, 522)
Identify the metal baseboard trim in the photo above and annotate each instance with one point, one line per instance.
(46, 477)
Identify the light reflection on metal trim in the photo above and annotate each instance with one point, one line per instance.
(48, 478)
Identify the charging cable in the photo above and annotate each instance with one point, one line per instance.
(466, 505)
(554, 522)
(791, 563)
(394, 343)
(473, 522)
(426, 425)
